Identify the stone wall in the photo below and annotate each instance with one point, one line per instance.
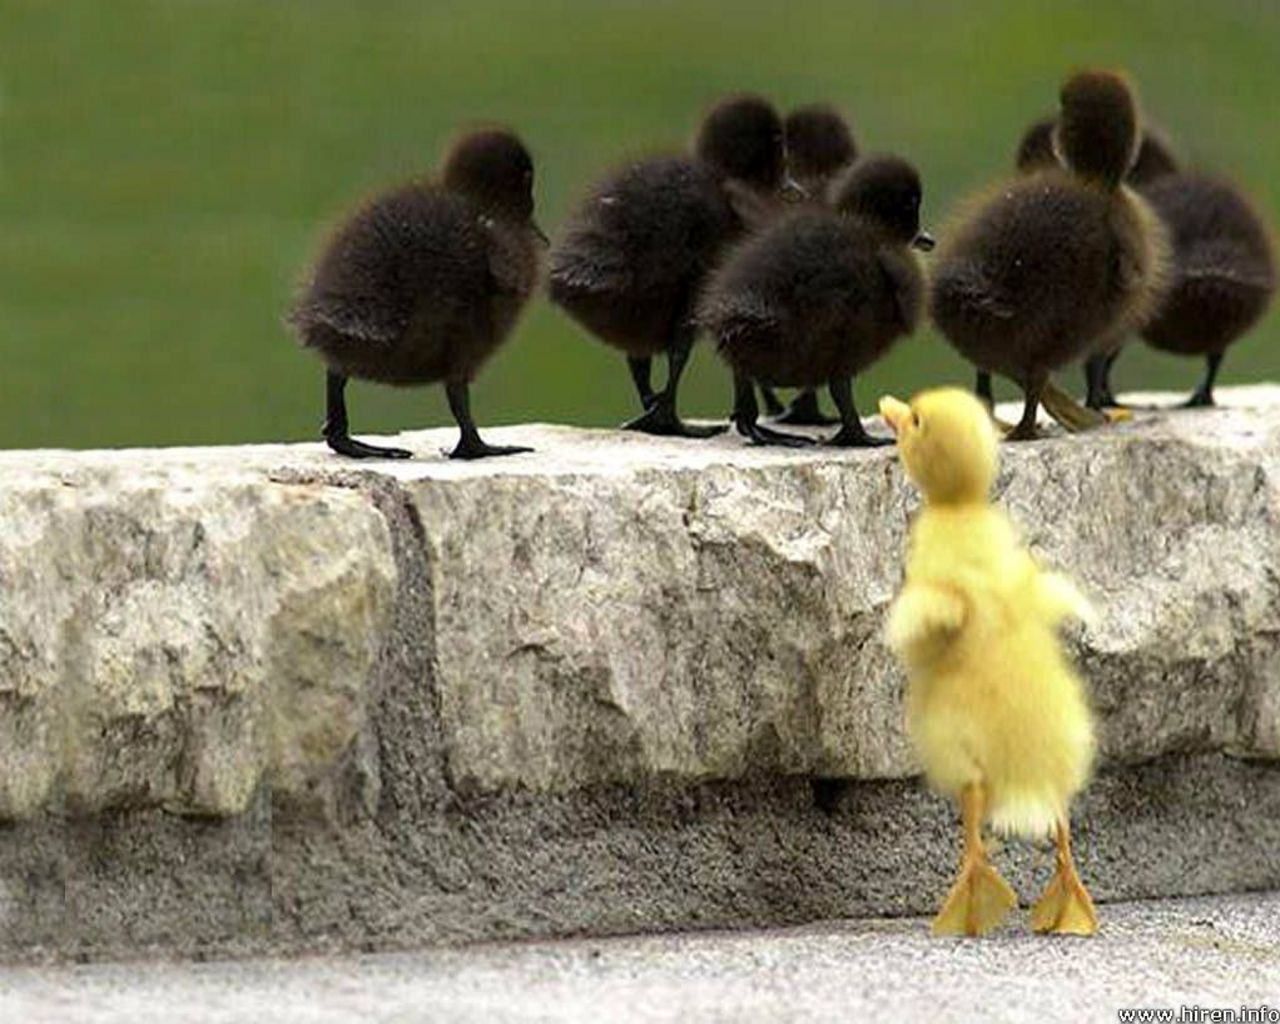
(263, 698)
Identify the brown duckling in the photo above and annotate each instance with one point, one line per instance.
(1038, 270)
(1036, 153)
(1035, 148)
(821, 295)
(1222, 273)
(635, 255)
(820, 145)
(423, 283)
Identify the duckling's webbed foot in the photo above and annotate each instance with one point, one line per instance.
(804, 411)
(1066, 908)
(660, 416)
(1067, 411)
(852, 434)
(979, 899)
(1026, 429)
(470, 445)
(746, 415)
(336, 430)
(660, 419)
(757, 434)
(344, 444)
(474, 448)
(1202, 397)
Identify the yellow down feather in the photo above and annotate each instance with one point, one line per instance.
(992, 698)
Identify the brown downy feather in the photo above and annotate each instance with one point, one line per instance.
(424, 282)
(1038, 269)
(822, 294)
(635, 253)
(1224, 265)
(820, 145)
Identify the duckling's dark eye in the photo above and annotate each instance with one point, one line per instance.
(915, 419)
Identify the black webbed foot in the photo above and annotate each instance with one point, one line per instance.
(1202, 397)
(336, 432)
(474, 448)
(804, 411)
(856, 438)
(660, 419)
(1023, 432)
(759, 435)
(345, 444)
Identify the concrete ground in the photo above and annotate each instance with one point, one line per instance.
(1212, 952)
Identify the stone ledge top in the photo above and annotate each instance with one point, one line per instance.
(578, 451)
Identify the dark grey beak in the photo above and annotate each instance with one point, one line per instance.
(924, 242)
(792, 190)
(541, 235)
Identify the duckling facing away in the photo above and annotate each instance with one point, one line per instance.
(820, 145)
(1049, 263)
(1222, 275)
(423, 283)
(635, 255)
(821, 295)
(995, 710)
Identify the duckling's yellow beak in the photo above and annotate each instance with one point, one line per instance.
(897, 414)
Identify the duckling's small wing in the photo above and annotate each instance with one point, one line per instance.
(585, 275)
(1232, 263)
(738, 319)
(905, 284)
(511, 268)
(370, 321)
(965, 285)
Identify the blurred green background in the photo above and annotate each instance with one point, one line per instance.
(166, 169)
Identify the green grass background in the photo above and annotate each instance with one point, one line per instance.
(166, 168)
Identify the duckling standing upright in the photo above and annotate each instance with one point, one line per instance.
(1223, 273)
(423, 283)
(1053, 261)
(820, 145)
(995, 710)
(634, 257)
(821, 295)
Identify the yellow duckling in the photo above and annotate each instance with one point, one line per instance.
(996, 712)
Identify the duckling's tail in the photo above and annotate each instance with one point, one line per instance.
(1031, 815)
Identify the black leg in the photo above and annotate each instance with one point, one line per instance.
(1026, 429)
(1097, 378)
(470, 446)
(1095, 373)
(805, 412)
(772, 405)
(336, 431)
(851, 434)
(1202, 397)
(641, 375)
(746, 415)
(1108, 395)
(661, 417)
(984, 390)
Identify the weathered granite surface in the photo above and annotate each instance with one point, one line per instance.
(261, 695)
